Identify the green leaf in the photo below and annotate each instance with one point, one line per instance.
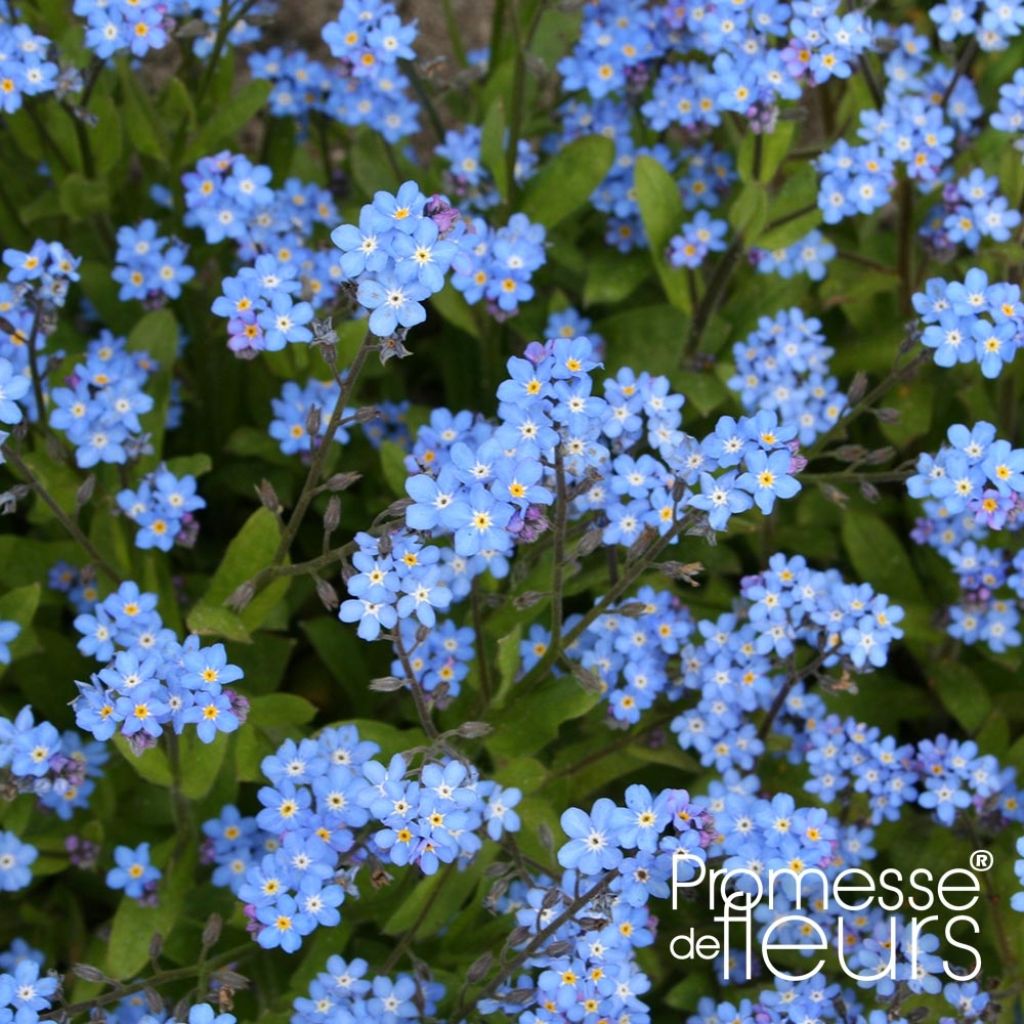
(19, 605)
(613, 276)
(749, 211)
(156, 334)
(792, 231)
(106, 136)
(492, 146)
(216, 620)
(532, 721)
(61, 483)
(455, 310)
(194, 465)
(82, 198)
(508, 664)
(773, 148)
(436, 900)
(369, 163)
(879, 557)
(151, 765)
(568, 180)
(201, 762)
(252, 550)
(392, 461)
(134, 925)
(962, 693)
(229, 119)
(280, 709)
(140, 119)
(661, 209)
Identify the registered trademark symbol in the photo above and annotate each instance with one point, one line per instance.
(982, 860)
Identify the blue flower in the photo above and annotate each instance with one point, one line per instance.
(132, 871)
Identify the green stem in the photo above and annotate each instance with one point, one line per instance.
(407, 939)
(454, 34)
(309, 488)
(905, 250)
(154, 981)
(633, 571)
(713, 296)
(558, 555)
(73, 529)
(508, 969)
(482, 654)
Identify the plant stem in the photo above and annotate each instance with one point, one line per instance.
(632, 573)
(418, 697)
(482, 658)
(62, 517)
(226, 23)
(905, 241)
(423, 92)
(967, 55)
(557, 570)
(180, 808)
(309, 488)
(894, 376)
(712, 296)
(407, 939)
(539, 939)
(163, 978)
(785, 690)
(454, 35)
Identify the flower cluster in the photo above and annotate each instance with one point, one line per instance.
(991, 24)
(57, 768)
(809, 255)
(162, 507)
(301, 415)
(497, 264)
(134, 25)
(100, 407)
(621, 47)
(364, 86)
(270, 302)
(44, 272)
(1009, 114)
(240, 31)
(14, 387)
(368, 39)
(972, 489)
(972, 209)
(972, 321)
(149, 267)
(398, 255)
(488, 487)
(942, 775)
(151, 682)
(401, 580)
(343, 989)
(294, 862)
(470, 179)
(24, 68)
(440, 661)
(697, 238)
(783, 366)
(224, 194)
